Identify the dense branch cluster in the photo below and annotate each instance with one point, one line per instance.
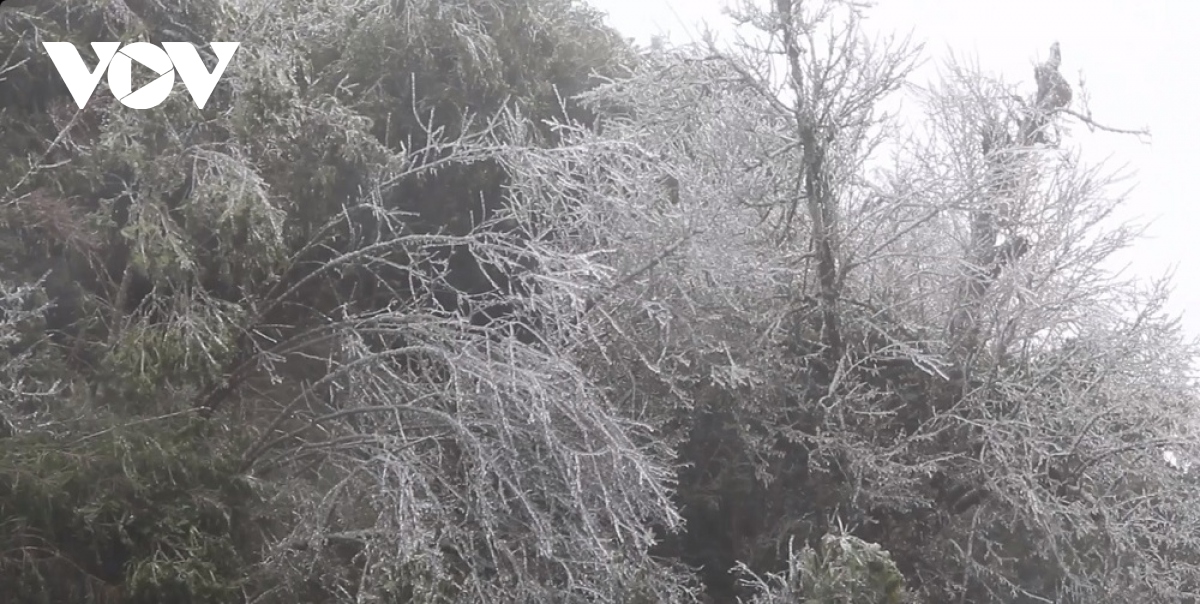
(470, 301)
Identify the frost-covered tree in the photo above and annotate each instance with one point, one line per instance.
(906, 325)
(465, 302)
(311, 354)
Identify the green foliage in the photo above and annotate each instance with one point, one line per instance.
(169, 235)
(848, 570)
(153, 510)
(149, 361)
(843, 570)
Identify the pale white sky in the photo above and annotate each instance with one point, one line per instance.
(1136, 57)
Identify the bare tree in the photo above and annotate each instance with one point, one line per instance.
(990, 397)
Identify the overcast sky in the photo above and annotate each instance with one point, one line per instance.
(1136, 58)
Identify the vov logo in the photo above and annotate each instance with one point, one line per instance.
(172, 58)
